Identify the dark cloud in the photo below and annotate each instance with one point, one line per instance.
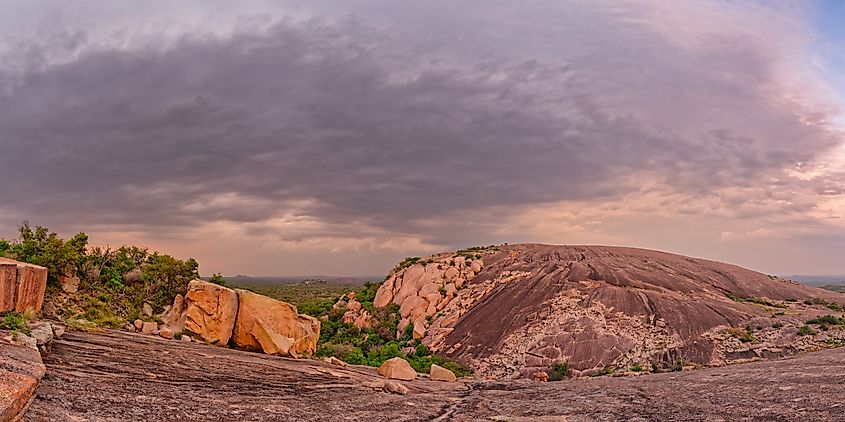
(363, 126)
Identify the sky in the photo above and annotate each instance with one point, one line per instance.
(335, 138)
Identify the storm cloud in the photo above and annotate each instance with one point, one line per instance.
(441, 123)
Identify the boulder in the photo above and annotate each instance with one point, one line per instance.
(149, 327)
(407, 287)
(138, 324)
(42, 333)
(22, 286)
(166, 333)
(349, 317)
(211, 311)
(403, 324)
(274, 323)
(385, 293)
(174, 317)
(476, 265)
(69, 284)
(419, 329)
(58, 330)
(364, 321)
(353, 305)
(397, 368)
(439, 373)
(147, 310)
(185, 338)
(451, 273)
(540, 376)
(395, 387)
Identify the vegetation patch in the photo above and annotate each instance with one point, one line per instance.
(755, 300)
(833, 306)
(745, 335)
(560, 370)
(17, 322)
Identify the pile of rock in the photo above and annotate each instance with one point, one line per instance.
(353, 314)
(22, 286)
(216, 314)
(399, 369)
(421, 291)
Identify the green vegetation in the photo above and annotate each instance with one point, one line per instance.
(560, 370)
(745, 335)
(824, 322)
(114, 283)
(833, 306)
(754, 300)
(637, 367)
(805, 330)
(218, 279)
(476, 252)
(368, 346)
(17, 322)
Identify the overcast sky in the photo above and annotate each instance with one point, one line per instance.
(272, 138)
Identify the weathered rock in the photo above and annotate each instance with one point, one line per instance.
(540, 376)
(185, 339)
(419, 329)
(174, 317)
(397, 368)
(261, 317)
(395, 387)
(385, 293)
(166, 333)
(353, 305)
(400, 328)
(42, 333)
(21, 369)
(22, 286)
(476, 265)
(58, 330)
(139, 324)
(348, 317)
(439, 373)
(334, 361)
(147, 310)
(149, 327)
(364, 321)
(374, 384)
(211, 311)
(69, 284)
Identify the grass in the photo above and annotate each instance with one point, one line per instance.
(825, 320)
(17, 322)
(754, 300)
(805, 330)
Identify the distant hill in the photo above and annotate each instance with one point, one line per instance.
(818, 280)
(265, 281)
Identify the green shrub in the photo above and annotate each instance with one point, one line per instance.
(560, 370)
(827, 320)
(217, 279)
(16, 322)
(805, 330)
(637, 367)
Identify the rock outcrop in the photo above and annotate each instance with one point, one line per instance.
(210, 312)
(253, 322)
(22, 286)
(513, 310)
(274, 327)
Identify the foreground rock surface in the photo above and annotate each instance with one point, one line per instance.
(22, 286)
(20, 371)
(172, 381)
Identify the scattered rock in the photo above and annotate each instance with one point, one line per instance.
(185, 338)
(139, 324)
(42, 333)
(149, 327)
(419, 329)
(540, 376)
(397, 368)
(166, 333)
(439, 373)
(334, 361)
(375, 384)
(395, 387)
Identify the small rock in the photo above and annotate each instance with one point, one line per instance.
(376, 384)
(42, 333)
(397, 368)
(395, 387)
(334, 361)
(166, 333)
(129, 327)
(540, 376)
(138, 324)
(185, 338)
(69, 284)
(147, 310)
(149, 327)
(439, 373)
(58, 330)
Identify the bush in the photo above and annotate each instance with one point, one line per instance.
(827, 320)
(16, 322)
(560, 370)
(805, 330)
(217, 279)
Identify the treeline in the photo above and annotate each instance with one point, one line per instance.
(113, 283)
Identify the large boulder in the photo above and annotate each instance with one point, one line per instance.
(22, 286)
(274, 327)
(21, 370)
(397, 368)
(211, 311)
(439, 373)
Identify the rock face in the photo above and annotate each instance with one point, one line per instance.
(210, 312)
(21, 370)
(397, 368)
(22, 286)
(274, 327)
(514, 310)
